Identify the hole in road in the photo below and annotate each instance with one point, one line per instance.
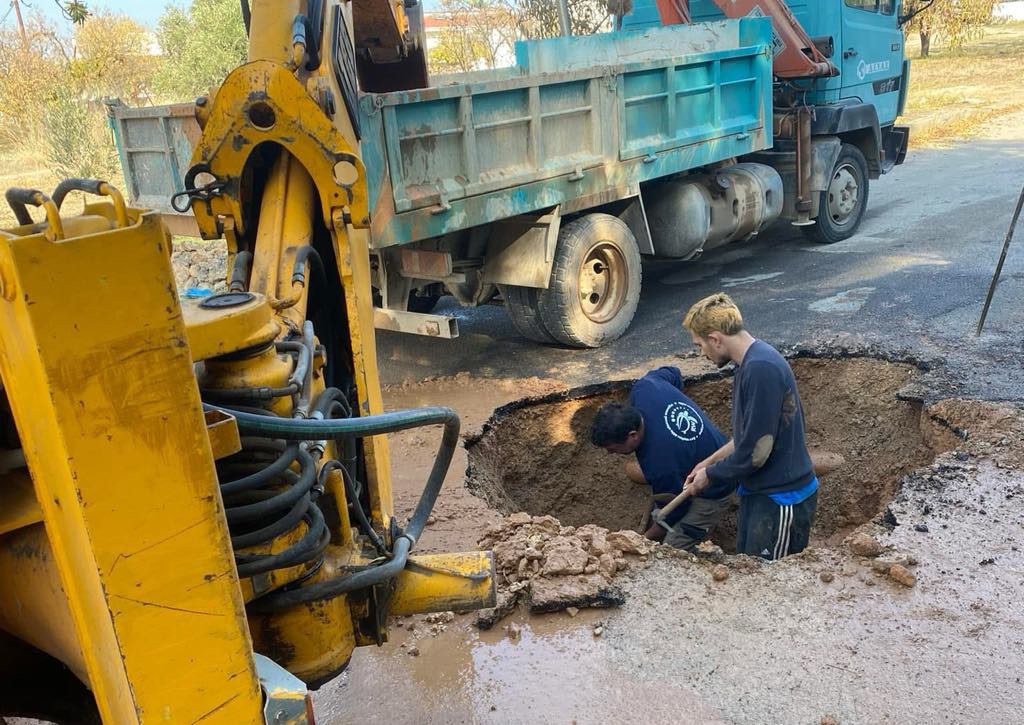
(536, 456)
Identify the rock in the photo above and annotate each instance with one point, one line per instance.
(431, 520)
(487, 618)
(520, 518)
(413, 651)
(720, 573)
(710, 551)
(521, 569)
(572, 611)
(554, 595)
(863, 545)
(531, 553)
(599, 630)
(829, 720)
(630, 542)
(514, 632)
(902, 575)
(827, 577)
(607, 566)
(563, 556)
(439, 618)
(923, 528)
(547, 523)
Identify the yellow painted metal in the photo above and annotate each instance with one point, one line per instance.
(270, 31)
(263, 102)
(265, 368)
(18, 505)
(214, 332)
(33, 606)
(445, 582)
(96, 366)
(223, 432)
(351, 247)
(285, 226)
(313, 641)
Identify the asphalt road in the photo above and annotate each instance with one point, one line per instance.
(911, 282)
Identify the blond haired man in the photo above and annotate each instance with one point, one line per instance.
(767, 456)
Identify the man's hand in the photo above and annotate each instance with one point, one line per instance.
(697, 481)
(655, 533)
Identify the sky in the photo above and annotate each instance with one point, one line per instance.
(145, 11)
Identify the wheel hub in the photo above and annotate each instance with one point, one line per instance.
(603, 282)
(843, 194)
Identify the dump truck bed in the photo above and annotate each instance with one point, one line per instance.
(577, 122)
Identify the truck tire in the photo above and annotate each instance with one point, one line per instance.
(595, 282)
(521, 304)
(842, 204)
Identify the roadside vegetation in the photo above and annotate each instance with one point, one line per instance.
(56, 76)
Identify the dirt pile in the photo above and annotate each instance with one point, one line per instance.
(553, 567)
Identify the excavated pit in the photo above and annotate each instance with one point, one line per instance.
(535, 455)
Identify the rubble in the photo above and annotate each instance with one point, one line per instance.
(553, 568)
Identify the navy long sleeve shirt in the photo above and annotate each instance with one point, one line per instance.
(770, 453)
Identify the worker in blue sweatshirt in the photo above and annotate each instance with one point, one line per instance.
(767, 457)
(669, 434)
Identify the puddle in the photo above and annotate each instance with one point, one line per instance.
(535, 456)
(465, 676)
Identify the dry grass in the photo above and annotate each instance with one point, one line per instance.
(19, 167)
(955, 93)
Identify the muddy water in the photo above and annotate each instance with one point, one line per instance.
(554, 671)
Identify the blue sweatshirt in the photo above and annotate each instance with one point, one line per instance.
(767, 428)
(677, 436)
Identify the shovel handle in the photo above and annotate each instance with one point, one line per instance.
(673, 504)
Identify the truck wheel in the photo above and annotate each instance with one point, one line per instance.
(521, 303)
(843, 203)
(595, 282)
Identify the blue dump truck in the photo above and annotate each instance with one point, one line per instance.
(543, 184)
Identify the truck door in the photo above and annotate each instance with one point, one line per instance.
(872, 55)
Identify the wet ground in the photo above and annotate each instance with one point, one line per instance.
(826, 636)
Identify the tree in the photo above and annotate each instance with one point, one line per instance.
(201, 45)
(31, 66)
(954, 21)
(112, 58)
(475, 34)
(539, 18)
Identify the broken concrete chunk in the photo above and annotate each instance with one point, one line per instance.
(554, 595)
(630, 542)
(506, 603)
(864, 545)
(564, 556)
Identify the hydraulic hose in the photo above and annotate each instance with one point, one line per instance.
(268, 533)
(299, 429)
(250, 513)
(264, 475)
(353, 498)
(310, 546)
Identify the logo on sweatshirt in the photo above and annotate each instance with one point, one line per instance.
(683, 421)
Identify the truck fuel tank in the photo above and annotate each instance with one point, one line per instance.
(691, 214)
